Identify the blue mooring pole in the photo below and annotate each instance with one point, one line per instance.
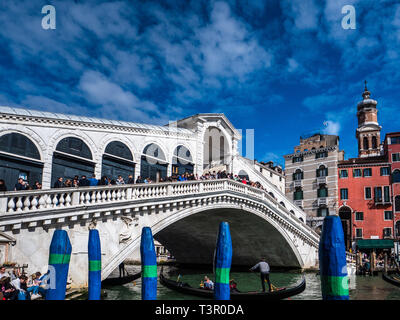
(60, 254)
(332, 261)
(94, 255)
(149, 265)
(223, 260)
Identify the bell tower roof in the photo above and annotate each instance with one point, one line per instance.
(367, 102)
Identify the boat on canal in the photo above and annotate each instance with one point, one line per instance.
(278, 294)
(392, 278)
(120, 280)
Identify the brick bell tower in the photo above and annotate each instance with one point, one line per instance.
(368, 132)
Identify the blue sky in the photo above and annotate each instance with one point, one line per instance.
(282, 68)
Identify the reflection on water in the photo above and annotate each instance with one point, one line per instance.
(361, 288)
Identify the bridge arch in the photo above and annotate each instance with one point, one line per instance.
(201, 225)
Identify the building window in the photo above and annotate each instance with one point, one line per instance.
(280, 178)
(386, 194)
(322, 192)
(359, 233)
(397, 203)
(378, 194)
(367, 193)
(344, 194)
(385, 171)
(397, 228)
(365, 143)
(323, 154)
(343, 174)
(260, 169)
(323, 212)
(270, 174)
(359, 216)
(297, 159)
(395, 140)
(298, 194)
(374, 143)
(396, 176)
(367, 172)
(298, 175)
(357, 173)
(322, 171)
(388, 215)
(387, 232)
(395, 157)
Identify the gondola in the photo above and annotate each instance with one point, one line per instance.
(120, 281)
(281, 293)
(391, 279)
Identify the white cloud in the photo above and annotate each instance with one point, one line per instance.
(331, 127)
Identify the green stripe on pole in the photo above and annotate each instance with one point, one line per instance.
(335, 286)
(56, 258)
(95, 265)
(222, 275)
(150, 271)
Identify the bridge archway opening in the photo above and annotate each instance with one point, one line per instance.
(191, 240)
(72, 157)
(153, 163)
(215, 149)
(19, 157)
(182, 161)
(117, 160)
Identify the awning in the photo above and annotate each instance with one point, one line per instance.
(375, 243)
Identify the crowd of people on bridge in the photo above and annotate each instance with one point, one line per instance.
(16, 285)
(85, 181)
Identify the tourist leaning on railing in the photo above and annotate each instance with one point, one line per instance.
(2, 186)
(106, 181)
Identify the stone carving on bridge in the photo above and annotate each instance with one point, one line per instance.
(92, 224)
(126, 234)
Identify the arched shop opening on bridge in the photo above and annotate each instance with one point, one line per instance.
(243, 174)
(117, 160)
(182, 161)
(19, 158)
(153, 163)
(72, 157)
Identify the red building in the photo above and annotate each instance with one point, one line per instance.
(364, 183)
(392, 150)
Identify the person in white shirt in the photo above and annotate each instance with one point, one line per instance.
(3, 272)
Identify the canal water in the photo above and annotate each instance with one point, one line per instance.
(360, 288)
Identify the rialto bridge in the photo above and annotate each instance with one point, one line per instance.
(184, 216)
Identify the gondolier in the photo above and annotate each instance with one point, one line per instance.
(263, 266)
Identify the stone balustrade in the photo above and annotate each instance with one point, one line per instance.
(20, 203)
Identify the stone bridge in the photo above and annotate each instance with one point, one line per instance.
(184, 217)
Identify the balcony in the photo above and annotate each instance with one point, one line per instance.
(298, 203)
(381, 201)
(322, 201)
(298, 183)
(321, 180)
